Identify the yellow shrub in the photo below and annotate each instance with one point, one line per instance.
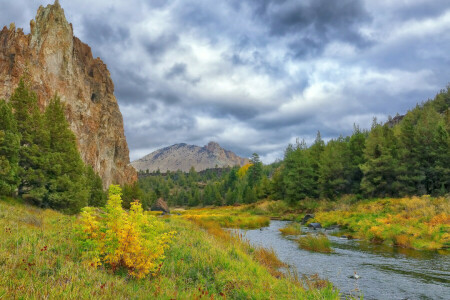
(120, 239)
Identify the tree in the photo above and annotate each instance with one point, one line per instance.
(97, 197)
(381, 166)
(335, 173)
(65, 172)
(254, 171)
(34, 144)
(316, 151)
(298, 174)
(9, 150)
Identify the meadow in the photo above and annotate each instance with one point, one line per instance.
(40, 258)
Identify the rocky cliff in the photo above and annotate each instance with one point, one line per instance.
(54, 61)
(183, 157)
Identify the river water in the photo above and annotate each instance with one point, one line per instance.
(385, 272)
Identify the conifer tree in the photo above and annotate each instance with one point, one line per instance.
(9, 150)
(298, 174)
(97, 197)
(381, 167)
(34, 144)
(254, 171)
(67, 190)
(334, 169)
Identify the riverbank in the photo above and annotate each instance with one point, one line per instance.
(417, 222)
(39, 258)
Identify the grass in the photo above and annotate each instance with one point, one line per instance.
(316, 243)
(421, 223)
(227, 217)
(291, 229)
(416, 222)
(39, 259)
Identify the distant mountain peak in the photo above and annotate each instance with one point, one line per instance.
(183, 156)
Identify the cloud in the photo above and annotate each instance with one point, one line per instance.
(254, 75)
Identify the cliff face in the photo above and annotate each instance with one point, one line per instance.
(54, 61)
(183, 157)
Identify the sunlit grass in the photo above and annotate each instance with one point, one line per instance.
(316, 243)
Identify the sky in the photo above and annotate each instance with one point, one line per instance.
(255, 75)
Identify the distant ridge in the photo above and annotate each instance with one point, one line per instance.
(183, 157)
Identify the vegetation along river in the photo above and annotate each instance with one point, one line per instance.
(385, 272)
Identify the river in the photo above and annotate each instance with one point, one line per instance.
(385, 272)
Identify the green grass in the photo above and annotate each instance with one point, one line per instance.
(316, 243)
(39, 259)
(291, 229)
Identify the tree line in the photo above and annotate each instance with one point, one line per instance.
(39, 159)
(394, 159)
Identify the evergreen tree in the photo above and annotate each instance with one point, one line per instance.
(34, 145)
(65, 172)
(255, 171)
(97, 197)
(9, 150)
(316, 151)
(381, 167)
(357, 144)
(335, 174)
(298, 174)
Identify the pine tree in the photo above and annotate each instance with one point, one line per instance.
(67, 190)
(34, 145)
(334, 169)
(255, 171)
(97, 197)
(381, 168)
(298, 174)
(316, 151)
(9, 150)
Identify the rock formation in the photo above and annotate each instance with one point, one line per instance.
(53, 61)
(183, 157)
(161, 205)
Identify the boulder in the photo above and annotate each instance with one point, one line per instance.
(315, 226)
(306, 218)
(160, 205)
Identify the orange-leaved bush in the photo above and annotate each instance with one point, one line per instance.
(121, 239)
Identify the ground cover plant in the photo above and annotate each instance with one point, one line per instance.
(40, 258)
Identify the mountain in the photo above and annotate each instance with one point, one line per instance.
(183, 157)
(53, 61)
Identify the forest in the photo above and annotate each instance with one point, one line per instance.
(407, 155)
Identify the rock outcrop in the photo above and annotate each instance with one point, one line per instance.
(161, 205)
(54, 61)
(183, 157)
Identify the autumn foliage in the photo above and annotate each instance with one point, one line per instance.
(121, 240)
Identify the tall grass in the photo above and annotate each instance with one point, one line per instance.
(316, 243)
(416, 222)
(39, 259)
(291, 229)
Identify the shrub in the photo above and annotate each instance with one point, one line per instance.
(119, 239)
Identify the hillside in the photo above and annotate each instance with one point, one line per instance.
(53, 61)
(183, 157)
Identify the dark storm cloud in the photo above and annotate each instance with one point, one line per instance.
(314, 23)
(157, 46)
(104, 32)
(255, 74)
